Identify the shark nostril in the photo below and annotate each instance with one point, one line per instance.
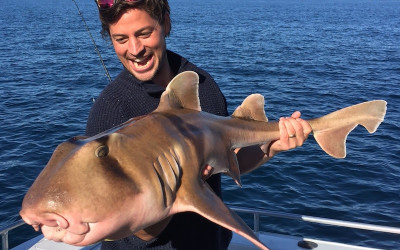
(101, 151)
(64, 224)
(54, 220)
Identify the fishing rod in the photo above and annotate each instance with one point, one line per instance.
(94, 43)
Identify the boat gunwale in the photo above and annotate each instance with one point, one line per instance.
(256, 219)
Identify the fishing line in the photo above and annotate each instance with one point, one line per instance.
(94, 43)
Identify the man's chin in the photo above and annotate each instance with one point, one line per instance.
(143, 77)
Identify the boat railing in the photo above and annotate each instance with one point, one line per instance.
(256, 219)
(4, 233)
(348, 224)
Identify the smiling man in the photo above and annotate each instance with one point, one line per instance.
(138, 30)
(139, 41)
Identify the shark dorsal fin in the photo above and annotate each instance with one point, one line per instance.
(252, 108)
(181, 92)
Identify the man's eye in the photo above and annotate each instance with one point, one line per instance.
(120, 40)
(145, 34)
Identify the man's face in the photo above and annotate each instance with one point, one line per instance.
(139, 42)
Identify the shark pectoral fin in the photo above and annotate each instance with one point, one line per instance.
(252, 108)
(333, 141)
(209, 205)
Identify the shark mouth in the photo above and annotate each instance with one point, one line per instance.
(60, 234)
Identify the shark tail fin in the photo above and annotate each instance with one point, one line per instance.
(252, 108)
(331, 131)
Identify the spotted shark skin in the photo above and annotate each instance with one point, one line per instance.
(132, 178)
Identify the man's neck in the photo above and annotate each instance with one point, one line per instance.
(165, 75)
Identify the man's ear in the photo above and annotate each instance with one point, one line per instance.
(167, 24)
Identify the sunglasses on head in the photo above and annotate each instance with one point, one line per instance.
(107, 4)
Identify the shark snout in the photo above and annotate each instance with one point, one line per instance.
(51, 223)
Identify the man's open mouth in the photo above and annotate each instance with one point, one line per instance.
(143, 63)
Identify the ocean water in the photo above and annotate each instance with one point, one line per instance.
(313, 56)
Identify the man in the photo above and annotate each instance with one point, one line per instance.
(137, 30)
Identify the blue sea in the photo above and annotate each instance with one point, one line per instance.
(315, 56)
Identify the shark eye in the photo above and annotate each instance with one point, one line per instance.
(101, 151)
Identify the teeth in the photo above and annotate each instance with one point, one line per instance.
(139, 65)
(140, 60)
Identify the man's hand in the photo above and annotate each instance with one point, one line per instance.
(293, 133)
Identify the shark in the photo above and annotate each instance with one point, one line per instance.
(132, 178)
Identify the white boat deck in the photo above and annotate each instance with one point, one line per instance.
(273, 241)
(285, 242)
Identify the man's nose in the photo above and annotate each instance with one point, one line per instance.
(135, 47)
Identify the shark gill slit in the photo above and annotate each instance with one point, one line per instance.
(158, 170)
(168, 173)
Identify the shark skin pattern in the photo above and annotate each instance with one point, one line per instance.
(132, 178)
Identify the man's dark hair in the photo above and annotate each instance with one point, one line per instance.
(157, 9)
